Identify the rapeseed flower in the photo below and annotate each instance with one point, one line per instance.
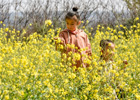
(35, 69)
(48, 22)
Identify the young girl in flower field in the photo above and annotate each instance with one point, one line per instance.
(74, 40)
(107, 52)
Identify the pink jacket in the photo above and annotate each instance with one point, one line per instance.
(79, 39)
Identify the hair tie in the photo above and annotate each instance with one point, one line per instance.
(75, 9)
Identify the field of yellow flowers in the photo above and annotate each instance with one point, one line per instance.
(34, 70)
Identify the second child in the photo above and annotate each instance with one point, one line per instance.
(107, 52)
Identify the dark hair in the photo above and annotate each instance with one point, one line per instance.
(70, 15)
(104, 43)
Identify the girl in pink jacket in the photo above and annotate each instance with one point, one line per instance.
(74, 36)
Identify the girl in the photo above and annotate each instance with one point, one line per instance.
(74, 36)
(107, 53)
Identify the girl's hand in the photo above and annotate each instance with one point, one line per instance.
(55, 38)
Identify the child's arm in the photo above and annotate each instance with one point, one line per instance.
(60, 42)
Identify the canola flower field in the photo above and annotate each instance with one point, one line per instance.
(34, 70)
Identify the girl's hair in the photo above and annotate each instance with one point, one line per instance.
(73, 15)
(104, 43)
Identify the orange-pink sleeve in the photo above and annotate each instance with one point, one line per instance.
(61, 36)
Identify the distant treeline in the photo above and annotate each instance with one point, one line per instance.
(18, 14)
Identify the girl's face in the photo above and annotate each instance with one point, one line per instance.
(71, 24)
(108, 52)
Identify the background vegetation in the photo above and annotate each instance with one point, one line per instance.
(19, 14)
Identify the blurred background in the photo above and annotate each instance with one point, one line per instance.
(18, 14)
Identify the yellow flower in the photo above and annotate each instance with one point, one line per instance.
(7, 97)
(83, 27)
(72, 75)
(121, 25)
(66, 81)
(137, 18)
(139, 85)
(87, 21)
(76, 56)
(6, 29)
(1, 22)
(48, 22)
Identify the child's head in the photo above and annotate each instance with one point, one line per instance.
(108, 48)
(72, 19)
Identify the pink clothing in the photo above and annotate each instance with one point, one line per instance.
(79, 39)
